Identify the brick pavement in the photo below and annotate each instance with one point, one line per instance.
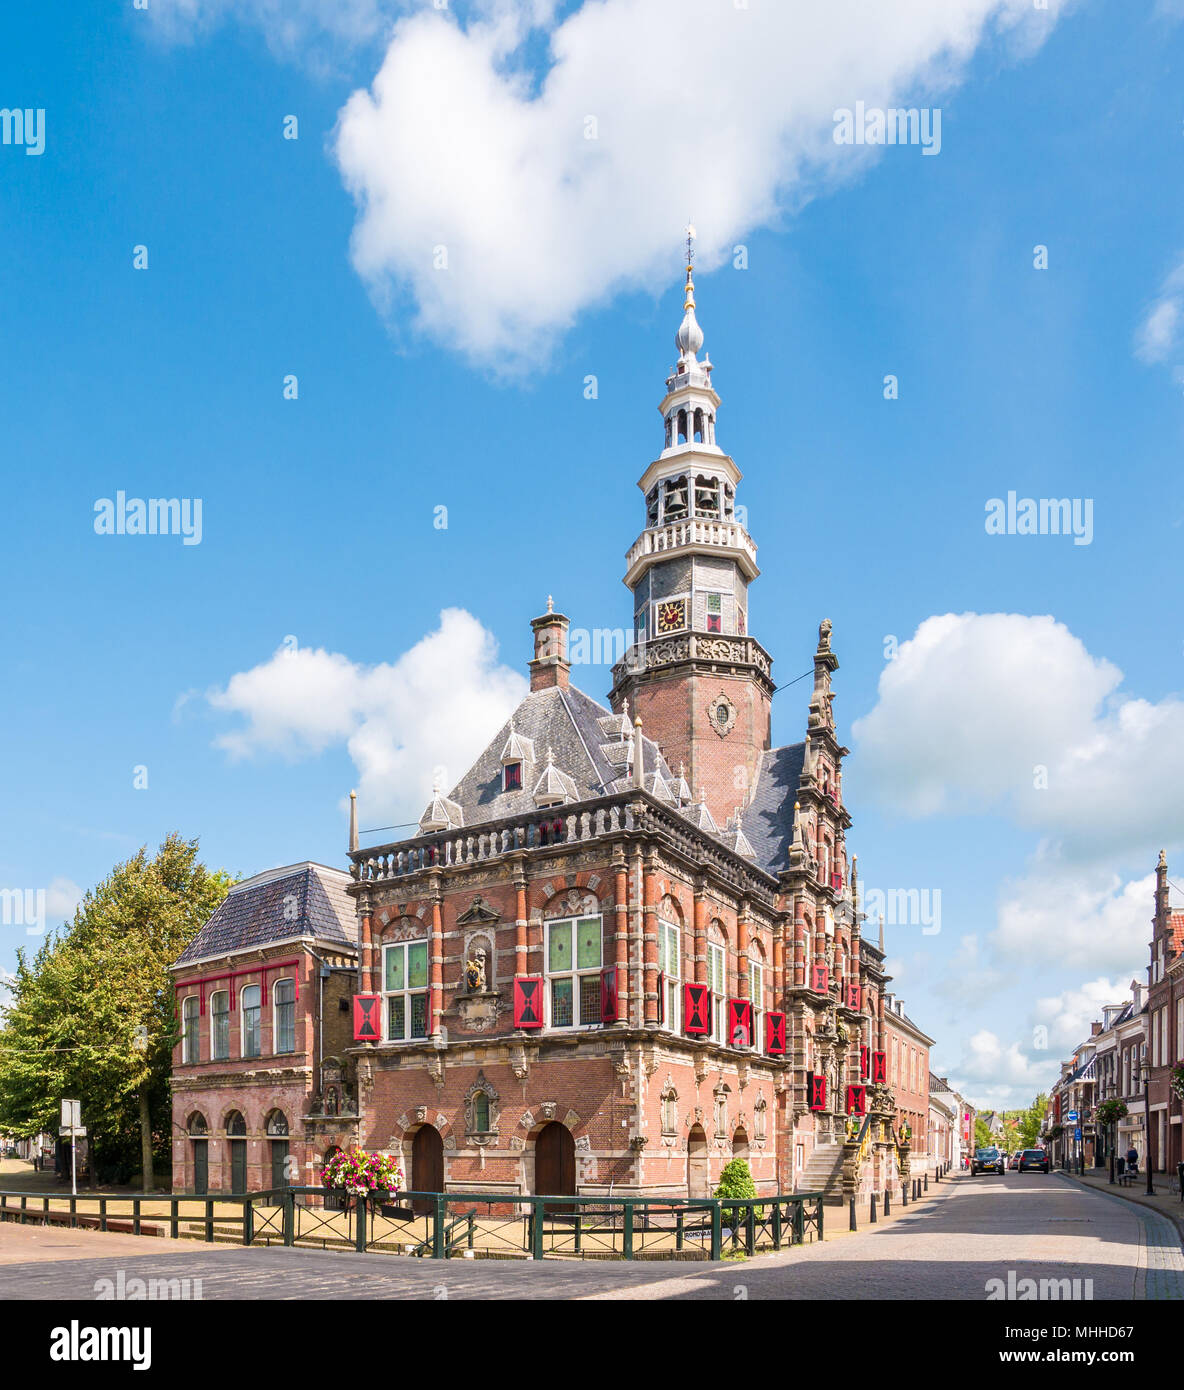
(968, 1232)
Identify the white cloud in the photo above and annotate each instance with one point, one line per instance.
(1159, 332)
(978, 710)
(61, 899)
(708, 110)
(1004, 1067)
(1076, 917)
(1068, 1015)
(434, 708)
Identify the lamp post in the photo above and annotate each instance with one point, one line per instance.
(1147, 1124)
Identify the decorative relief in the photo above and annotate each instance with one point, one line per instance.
(573, 903)
(421, 1114)
(583, 1144)
(478, 911)
(405, 929)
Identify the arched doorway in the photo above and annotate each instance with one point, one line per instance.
(199, 1139)
(740, 1144)
(698, 1164)
(236, 1131)
(427, 1166)
(334, 1199)
(555, 1164)
(277, 1134)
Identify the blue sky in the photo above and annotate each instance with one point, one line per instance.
(167, 131)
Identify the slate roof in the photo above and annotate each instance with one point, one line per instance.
(568, 722)
(300, 900)
(768, 817)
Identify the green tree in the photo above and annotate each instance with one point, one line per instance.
(1031, 1120)
(736, 1181)
(982, 1134)
(93, 1015)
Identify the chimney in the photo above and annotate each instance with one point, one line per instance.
(1094, 1029)
(550, 666)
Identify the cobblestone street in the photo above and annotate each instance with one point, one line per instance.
(973, 1230)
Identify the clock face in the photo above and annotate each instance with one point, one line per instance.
(672, 615)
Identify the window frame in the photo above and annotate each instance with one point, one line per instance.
(756, 997)
(671, 977)
(276, 1005)
(257, 1010)
(190, 1035)
(407, 994)
(719, 1000)
(574, 972)
(219, 1026)
(516, 769)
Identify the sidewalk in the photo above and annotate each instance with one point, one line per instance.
(1166, 1200)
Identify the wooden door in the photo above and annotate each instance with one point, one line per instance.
(427, 1166)
(279, 1163)
(555, 1165)
(201, 1166)
(238, 1165)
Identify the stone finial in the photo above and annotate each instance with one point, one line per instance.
(353, 821)
(638, 756)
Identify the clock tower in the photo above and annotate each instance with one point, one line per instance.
(700, 683)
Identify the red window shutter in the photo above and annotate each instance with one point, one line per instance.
(775, 1034)
(856, 1100)
(367, 1018)
(528, 1002)
(818, 1093)
(879, 1066)
(836, 882)
(608, 995)
(865, 1061)
(854, 998)
(739, 1023)
(819, 979)
(696, 1009)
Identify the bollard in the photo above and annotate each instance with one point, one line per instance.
(873, 1209)
(854, 1225)
(926, 1182)
(904, 1193)
(887, 1202)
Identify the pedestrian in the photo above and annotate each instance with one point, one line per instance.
(1132, 1159)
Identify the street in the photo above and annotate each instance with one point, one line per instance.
(971, 1231)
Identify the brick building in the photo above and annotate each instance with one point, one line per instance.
(1165, 1024)
(621, 951)
(907, 1051)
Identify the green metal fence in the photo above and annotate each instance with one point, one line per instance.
(450, 1225)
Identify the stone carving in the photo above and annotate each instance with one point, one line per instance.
(478, 911)
(583, 1144)
(421, 1114)
(475, 971)
(722, 714)
(406, 929)
(481, 1087)
(547, 1109)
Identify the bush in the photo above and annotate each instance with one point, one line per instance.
(736, 1181)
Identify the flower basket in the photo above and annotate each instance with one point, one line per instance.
(363, 1177)
(1177, 1082)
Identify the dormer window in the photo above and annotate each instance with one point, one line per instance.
(512, 777)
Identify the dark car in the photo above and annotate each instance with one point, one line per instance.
(990, 1160)
(1013, 1162)
(1034, 1161)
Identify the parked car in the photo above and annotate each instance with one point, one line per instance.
(1014, 1161)
(990, 1160)
(1034, 1161)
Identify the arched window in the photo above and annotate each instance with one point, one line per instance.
(236, 1126)
(756, 992)
(760, 1119)
(676, 499)
(284, 999)
(197, 1126)
(682, 427)
(277, 1125)
(698, 427)
(481, 1112)
(189, 1039)
(717, 978)
(251, 1011)
(220, 1025)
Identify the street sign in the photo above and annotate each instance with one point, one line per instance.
(73, 1131)
(1077, 1135)
(71, 1114)
(1072, 1117)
